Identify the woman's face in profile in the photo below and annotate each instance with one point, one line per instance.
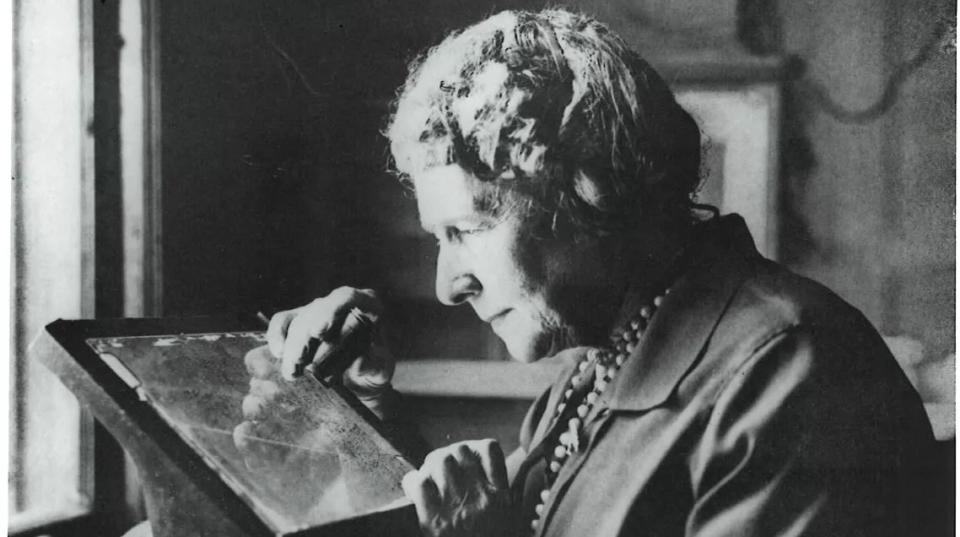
(531, 291)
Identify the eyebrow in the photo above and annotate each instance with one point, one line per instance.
(448, 222)
(487, 204)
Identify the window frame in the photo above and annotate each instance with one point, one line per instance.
(74, 192)
(108, 500)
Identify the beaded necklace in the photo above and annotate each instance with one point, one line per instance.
(607, 363)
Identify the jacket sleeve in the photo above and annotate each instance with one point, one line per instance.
(811, 436)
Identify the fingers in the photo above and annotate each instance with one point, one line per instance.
(343, 300)
(493, 462)
(370, 374)
(260, 362)
(342, 345)
(365, 299)
(452, 476)
(295, 336)
(242, 435)
(253, 407)
(262, 394)
(301, 341)
(457, 467)
(423, 492)
(277, 331)
(458, 487)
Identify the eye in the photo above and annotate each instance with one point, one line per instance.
(457, 233)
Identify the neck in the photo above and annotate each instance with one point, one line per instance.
(629, 273)
(652, 264)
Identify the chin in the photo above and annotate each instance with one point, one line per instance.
(522, 353)
(528, 348)
(529, 338)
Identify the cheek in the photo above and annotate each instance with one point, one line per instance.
(528, 259)
(507, 262)
(562, 276)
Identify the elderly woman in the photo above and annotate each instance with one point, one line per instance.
(709, 391)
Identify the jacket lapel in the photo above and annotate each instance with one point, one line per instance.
(535, 453)
(571, 357)
(685, 321)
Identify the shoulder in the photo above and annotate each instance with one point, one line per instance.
(774, 301)
(784, 334)
(778, 322)
(777, 297)
(803, 356)
(767, 298)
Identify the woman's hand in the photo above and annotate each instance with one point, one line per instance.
(300, 335)
(280, 441)
(462, 490)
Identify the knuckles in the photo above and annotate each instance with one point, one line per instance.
(453, 502)
(449, 461)
(322, 310)
(464, 453)
(459, 454)
(342, 295)
(488, 444)
(291, 333)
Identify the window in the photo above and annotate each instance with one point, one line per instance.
(82, 205)
(50, 445)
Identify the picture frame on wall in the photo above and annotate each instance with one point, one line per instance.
(740, 137)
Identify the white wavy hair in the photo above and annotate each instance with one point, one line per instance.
(554, 107)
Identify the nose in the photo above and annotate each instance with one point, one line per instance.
(455, 281)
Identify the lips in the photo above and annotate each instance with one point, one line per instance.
(497, 316)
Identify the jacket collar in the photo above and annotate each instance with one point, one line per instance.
(683, 324)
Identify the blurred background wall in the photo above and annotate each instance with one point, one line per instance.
(274, 188)
(872, 198)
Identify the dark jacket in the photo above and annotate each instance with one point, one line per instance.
(757, 403)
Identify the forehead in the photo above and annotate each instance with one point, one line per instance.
(445, 194)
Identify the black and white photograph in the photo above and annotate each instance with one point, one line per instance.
(482, 268)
